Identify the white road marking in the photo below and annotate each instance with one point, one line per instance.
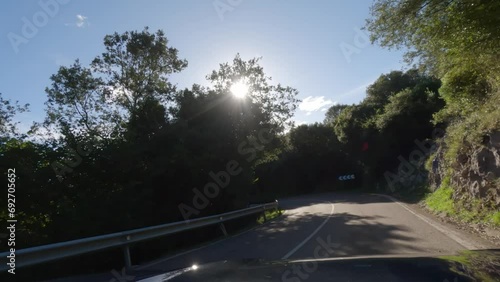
(310, 236)
(446, 231)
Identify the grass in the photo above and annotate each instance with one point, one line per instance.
(484, 120)
(269, 215)
(473, 212)
(494, 218)
(464, 134)
(441, 201)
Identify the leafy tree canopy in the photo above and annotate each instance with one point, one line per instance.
(277, 101)
(440, 35)
(108, 97)
(8, 110)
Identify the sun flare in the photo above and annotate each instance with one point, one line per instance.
(239, 89)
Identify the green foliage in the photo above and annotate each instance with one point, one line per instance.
(472, 128)
(460, 137)
(494, 218)
(464, 91)
(313, 140)
(131, 148)
(429, 161)
(100, 100)
(388, 85)
(313, 161)
(278, 101)
(470, 210)
(465, 84)
(440, 35)
(441, 200)
(415, 105)
(352, 122)
(8, 110)
(332, 113)
(457, 41)
(269, 215)
(384, 127)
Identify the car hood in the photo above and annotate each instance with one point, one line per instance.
(481, 265)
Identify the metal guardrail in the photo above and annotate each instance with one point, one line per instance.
(124, 239)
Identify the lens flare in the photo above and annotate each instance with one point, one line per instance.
(239, 89)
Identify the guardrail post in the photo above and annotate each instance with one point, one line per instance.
(126, 255)
(128, 259)
(223, 228)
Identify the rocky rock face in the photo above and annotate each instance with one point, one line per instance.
(437, 172)
(476, 171)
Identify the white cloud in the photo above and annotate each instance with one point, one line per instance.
(81, 21)
(312, 104)
(324, 109)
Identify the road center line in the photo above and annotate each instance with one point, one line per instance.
(310, 236)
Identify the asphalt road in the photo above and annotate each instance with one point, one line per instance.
(323, 226)
(333, 225)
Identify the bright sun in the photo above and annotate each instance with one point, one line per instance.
(239, 89)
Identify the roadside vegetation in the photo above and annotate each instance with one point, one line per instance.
(269, 215)
(441, 202)
(458, 42)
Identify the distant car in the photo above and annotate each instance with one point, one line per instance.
(483, 265)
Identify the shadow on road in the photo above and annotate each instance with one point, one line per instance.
(351, 235)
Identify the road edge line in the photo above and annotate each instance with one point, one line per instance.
(452, 234)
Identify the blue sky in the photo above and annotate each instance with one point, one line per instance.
(316, 47)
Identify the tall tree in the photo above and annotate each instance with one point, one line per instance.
(277, 101)
(109, 96)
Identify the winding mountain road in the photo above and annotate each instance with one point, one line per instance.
(323, 226)
(333, 225)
